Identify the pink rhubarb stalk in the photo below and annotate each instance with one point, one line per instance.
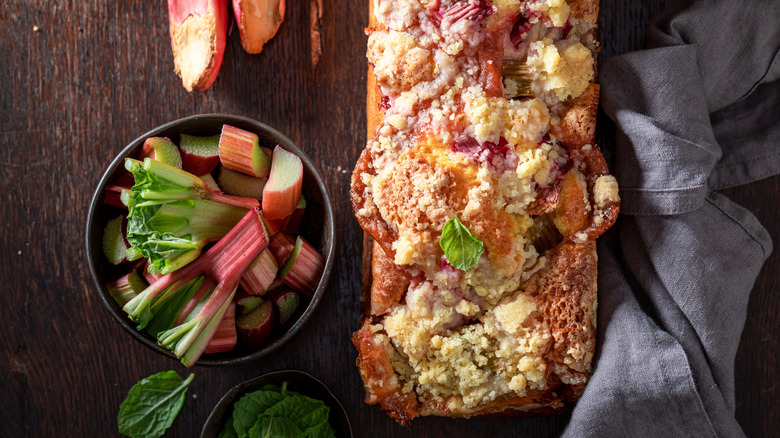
(304, 268)
(199, 155)
(281, 247)
(113, 196)
(258, 21)
(224, 263)
(260, 274)
(161, 149)
(226, 337)
(283, 191)
(240, 150)
(126, 287)
(198, 30)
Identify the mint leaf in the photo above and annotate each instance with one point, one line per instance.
(460, 247)
(274, 412)
(306, 412)
(229, 431)
(247, 409)
(323, 431)
(152, 404)
(269, 426)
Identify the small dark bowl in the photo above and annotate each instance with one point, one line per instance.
(297, 381)
(318, 229)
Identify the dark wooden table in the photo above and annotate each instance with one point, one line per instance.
(80, 79)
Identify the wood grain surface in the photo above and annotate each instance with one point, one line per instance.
(80, 79)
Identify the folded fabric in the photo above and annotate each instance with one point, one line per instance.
(695, 112)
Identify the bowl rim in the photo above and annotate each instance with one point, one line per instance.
(330, 232)
(242, 386)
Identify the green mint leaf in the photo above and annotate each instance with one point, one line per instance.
(305, 412)
(229, 431)
(152, 404)
(323, 431)
(248, 409)
(460, 247)
(269, 426)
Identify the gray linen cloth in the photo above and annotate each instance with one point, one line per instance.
(697, 111)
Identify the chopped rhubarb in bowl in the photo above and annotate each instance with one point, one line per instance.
(203, 282)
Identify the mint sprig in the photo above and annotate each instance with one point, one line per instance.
(275, 412)
(152, 404)
(460, 247)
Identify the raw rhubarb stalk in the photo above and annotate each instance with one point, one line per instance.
(273, 227)
(210, 183)
(170, 310)
(198, 30)
(199, 155)
(255, 328)
(283, 190)
(173, 215)
(125, 179)
(281, 246)
(240, 184)
(240, 150)
(224, 264)
(225, 338)
(286, 303)
(113, 196)
(161, 149)
(258, 21)
(150, 278)
(199, 298)
(126, 287)
(115, 245)
(260, 274)
(247, 303)
(304, 268)
(293, 225)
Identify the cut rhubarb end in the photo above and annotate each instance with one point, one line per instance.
(240, 184)
(226, 337)
(126, 287)
(286, 303)
(258, 21)
(114, 243)
(281, 247)
(255, 328)
(161, 149)
(283, 190)
(240, 150)
(304, 268)
(113, 196)
(199, 155)
(248, 303)
(198, 34)
(260, 274)
(211, 184)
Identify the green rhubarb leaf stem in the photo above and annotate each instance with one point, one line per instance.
(172, 215)
(224, 263)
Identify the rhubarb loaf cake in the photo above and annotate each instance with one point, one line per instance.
(481, 193)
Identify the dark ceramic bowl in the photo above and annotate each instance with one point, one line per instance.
(297, 381)
(318, 228)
